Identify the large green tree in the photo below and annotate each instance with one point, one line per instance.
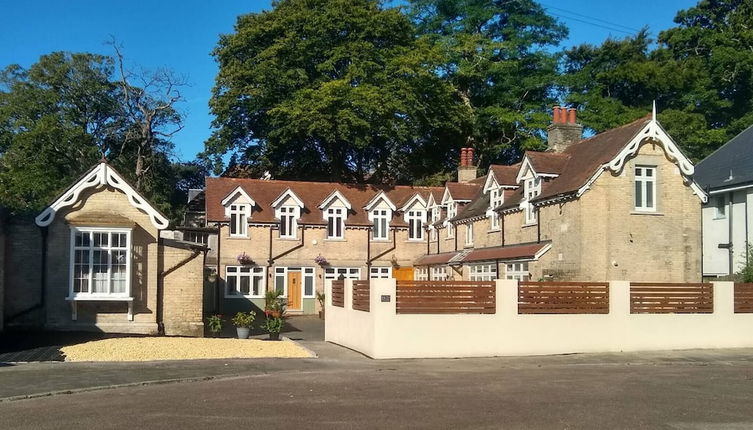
(65, 113)
(700, 74)
(333, 89)
(498, 55)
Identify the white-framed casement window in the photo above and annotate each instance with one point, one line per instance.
(335, 223)
(496, 199)
(239, 220)
(421, 274)
(452, 211)
(532, 189)
(720, 206)
(346, 272)
(483, 272)
(245, 281)
(100, 262)
(288, 222)
(380, 273)
(469, 234)
(645, 188)
(439, 273)
(307, 275)
(415, 224)
(381, 219)
(517, 271)
(434, 219)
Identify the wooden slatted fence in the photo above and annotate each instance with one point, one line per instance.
(338, 293)
(563, 297)
(446, 297)
(666, 298)
(361, 295)
(743, 298)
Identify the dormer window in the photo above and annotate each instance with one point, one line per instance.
(335, 223)
(381, 219)
(434, 218)
(452, 211)
(288, 222)
(532, 189)
(239, 220)
(469, 234)
(415, 220)
(496, 198)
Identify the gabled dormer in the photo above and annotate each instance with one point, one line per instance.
(414, 214)
(238, 207)
(379, 211)
(335, 211)
(288, 207)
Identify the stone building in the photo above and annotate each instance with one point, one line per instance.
(94, 260)
(619, 205)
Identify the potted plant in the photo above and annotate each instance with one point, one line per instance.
(320, 298)
(321, 260)
(274, 310)
(244, 259)
(214, 323)
(242, 322)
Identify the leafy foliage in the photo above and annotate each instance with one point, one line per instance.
(334, 90)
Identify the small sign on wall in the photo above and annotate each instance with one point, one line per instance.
(385, 298)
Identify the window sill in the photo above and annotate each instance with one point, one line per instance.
(379, 240)
(718, 218)
(244, 297)
(493, 230)
(530, 225)
(415, 241)
(237, 237)
(335, 239)
(288, 239)
(86, 298)
(646, 213)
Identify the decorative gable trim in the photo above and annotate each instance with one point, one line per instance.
(335, 195)
(287, 194)
(491, 182)
(525, 166)
(446, 196)
(430, 203)
(375, 200)
(655, 132)
(100, 176)
(238, 191)
(416, 198)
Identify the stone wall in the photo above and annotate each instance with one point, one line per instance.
(182, 291)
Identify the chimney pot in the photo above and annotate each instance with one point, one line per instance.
(555, 114)
(463, 157)
(571, 115)
(469, 157)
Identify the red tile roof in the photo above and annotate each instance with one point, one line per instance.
(311, 193)
(524, 251)
(505, 175)
(547, 162)
(464, 190)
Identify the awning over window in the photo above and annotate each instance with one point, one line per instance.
(527, 251)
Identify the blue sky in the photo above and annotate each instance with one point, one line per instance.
(181, 34)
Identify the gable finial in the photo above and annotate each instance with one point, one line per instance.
(653, 111)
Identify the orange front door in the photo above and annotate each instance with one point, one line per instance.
(403, 274)
(294, 291)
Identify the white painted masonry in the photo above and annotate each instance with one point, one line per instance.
(382, 333)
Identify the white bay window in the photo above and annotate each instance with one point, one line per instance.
(245, 281)
(100, 262)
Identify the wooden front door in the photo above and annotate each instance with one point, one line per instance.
(403, 274)
(294, 291)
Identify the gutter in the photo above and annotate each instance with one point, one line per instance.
(300, 245)
(381, 254)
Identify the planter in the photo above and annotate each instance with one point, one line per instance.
(274, 336)
(243, 332)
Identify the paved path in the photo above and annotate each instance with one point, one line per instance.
(688, 389)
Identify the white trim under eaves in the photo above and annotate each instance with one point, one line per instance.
(490, 183)
(238, 190)
(100, 176)
(287, 193)
(412, 201)
(727, 190)
(525, 165)
(335, 195)
(375, 200)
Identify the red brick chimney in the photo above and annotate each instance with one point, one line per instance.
(564, 129)
(466, 170)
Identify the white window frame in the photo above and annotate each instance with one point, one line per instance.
(517, 271)
(434, 218)
(91, 248)
(532, 190)
(254, 272)
(438, 273)
(482, 272)
(421, 274)
(288, 216)
(306, 272)
(349, 273)
(240, 224)
(452, 209)
(497, 197)
(381, 226)
(336, 219)
(469, 234)
(415, 219)
(644, 182)
(380, 272)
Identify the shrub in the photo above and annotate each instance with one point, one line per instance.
(244, 319)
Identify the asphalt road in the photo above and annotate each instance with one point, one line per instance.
(692, 389)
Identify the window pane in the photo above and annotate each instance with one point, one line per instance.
(638, 194)
(245, 285)
(649, 193)
(232, 285)
(257, 285)
(308, 286)
(280, 283)
(233, 223)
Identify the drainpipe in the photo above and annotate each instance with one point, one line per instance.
(428, 240)
(502, 226)
(300, 245)
(538, 227)
(217, 295)
(368, 250)
(392, 248)
(729, 234)
(455, 230)
(160, 286)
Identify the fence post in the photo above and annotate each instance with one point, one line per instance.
(327, 293)
(619, 298)
(507, 297)
(348, 294)
(724, 297)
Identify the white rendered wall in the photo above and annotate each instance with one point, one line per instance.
(716, 231)
(381, 333)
